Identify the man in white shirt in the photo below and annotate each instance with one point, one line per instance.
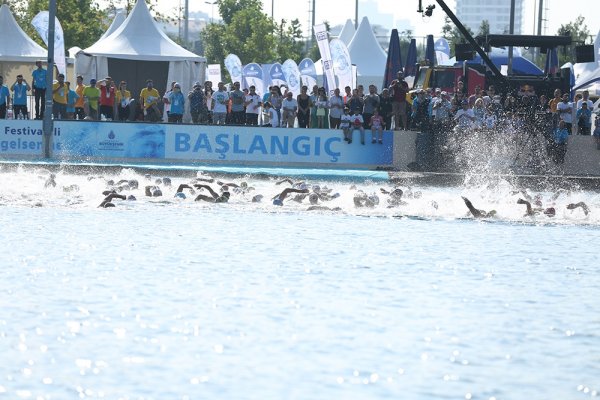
(564, 110)
(290, 109)
(465, 116)
(220, 100)
(252, 103)
(585, 99)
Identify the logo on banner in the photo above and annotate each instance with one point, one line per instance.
(327, 64)
(111, 143)
(321, 35)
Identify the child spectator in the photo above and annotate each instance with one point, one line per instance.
(376, 125)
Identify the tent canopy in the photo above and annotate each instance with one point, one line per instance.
(347, 32)
(15, 44)
(367, 54)
(117, 22)
(139, 38)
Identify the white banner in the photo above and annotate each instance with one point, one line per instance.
(234, 67)
(342, 65)
(323, 43)
(213, 74)
(292, 76)
(40, 23)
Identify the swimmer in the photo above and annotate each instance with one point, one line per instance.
(153, 191)
(323, 208)
(550, 211)
(362, 200)
(183, 186)
(107, 202)
(278, 199)
(71, 188)
(257, 198)
(207, 180)
(477, 213)
(50, 181)
(395, 198)
(581, 205)
(215, 197)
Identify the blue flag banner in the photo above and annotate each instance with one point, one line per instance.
(411, 59)
(253, 76)
(308, 73)
(234, 67)
(394, 59)
(276, 75)
(292, 76)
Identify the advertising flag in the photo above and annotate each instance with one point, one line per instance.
(323, 43)
(213, 74)
(276, 74)
(40, 23)
(308, 73)
(234, 67)
(253, 76)
(342, 65)
(292, 76)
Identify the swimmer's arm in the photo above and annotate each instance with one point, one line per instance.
(209, 180)
(475, 212)
(287, 191)
(210, 190)
(110, 197)
(527, 204)
(184, 186)
(228, 184)
(284, 181)
(382, 190)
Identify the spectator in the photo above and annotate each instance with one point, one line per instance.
(273, 116)
(197, 104)
(564, 110)
(465, 116)
(107, 98)
(39, 76)
(123, 100)
(220, 99)
(237, 105)
(72, 98)
(347, 94)
(208, 102)
(371, 103)
(252, 103)
(398, 91)
(91, 94)
(345, 122)
(20, 89)
(376, 125)
(357, 123)
(585, 99)
(313, 106)
(385, 108)
(80, 102)
(303, 100)
(355, 104)
(276, 99)
(597, 132)
(559, 147)
(177, 103)
(479, 112)
(336, 106)
(321, 104)
(584, 119)
(4, 98)
(290, 108)
(167, 103)
(149, 98)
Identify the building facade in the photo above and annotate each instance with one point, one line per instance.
(497, 12)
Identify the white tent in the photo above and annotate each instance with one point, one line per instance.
(138, 50)
(120, 17)
(347, 32)
(583, 70)
(367, 55)
(15, 44)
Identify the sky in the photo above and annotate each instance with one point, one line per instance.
(393, 12)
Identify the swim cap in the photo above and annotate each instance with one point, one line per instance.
(277, 202)
(316, 188)
(167, 181)
(131, 197)
(257, 198)
(550, 211)
(157, 193)
(313, 198)
(180, 195)
(304, 186)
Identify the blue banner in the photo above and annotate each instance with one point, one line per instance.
(253, 76)
(276, 75)
(308, 73)
(110, 141)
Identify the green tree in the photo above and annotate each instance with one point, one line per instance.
(579, 33)
(83, 21)
(484, 28)
(229, 8)
(250, 36)
(289, 40)
(453, 35)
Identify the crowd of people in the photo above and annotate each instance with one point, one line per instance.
(354, 110)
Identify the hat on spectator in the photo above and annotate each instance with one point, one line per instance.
(196, 84)
(464, 102)
(92, 80)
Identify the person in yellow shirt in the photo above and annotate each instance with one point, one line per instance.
(79, 103)
(59, 98)
(123, 99)
(149, 98)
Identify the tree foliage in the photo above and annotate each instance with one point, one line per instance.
(245, 30)
(452, 34)
(83, 21)
(579, 33)
(484, 28)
